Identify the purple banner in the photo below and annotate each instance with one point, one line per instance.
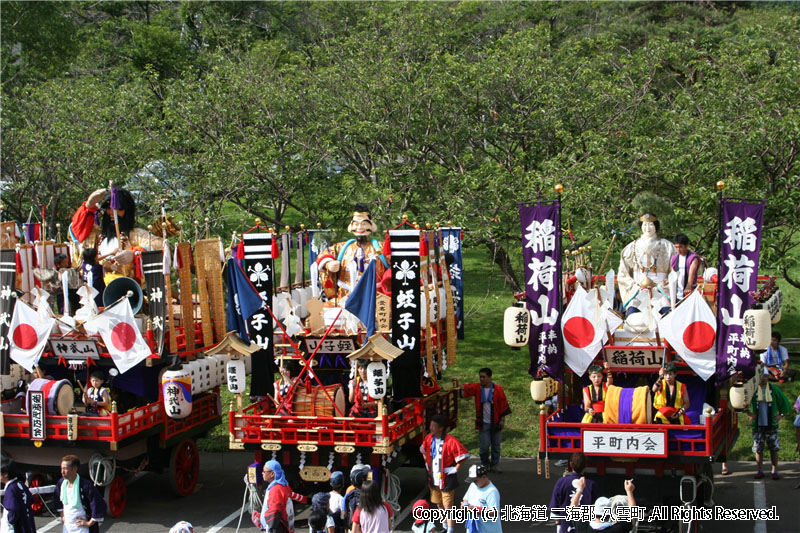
(541, 254)
(739, 249)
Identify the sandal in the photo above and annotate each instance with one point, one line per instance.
(724, 472)
(759, 475)
(775, 476)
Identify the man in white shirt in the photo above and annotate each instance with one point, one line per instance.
(483, 495)
(776, 359)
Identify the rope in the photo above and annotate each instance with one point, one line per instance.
(390, 491)
(109, 469)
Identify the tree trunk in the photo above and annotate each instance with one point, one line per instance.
(500, 257)
(793, 282)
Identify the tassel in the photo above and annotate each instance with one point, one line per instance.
(62, 361)
(114, 203)
(423, 246)
(240, 250)
(137, 259)
(275, 251)
(547, 468)
(387, 246)
(19, 262)
(538, 465)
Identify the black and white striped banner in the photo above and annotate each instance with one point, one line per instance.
(258, 265)
(153, 270)
(8, 275)
(406, 369)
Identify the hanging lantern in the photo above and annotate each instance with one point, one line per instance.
(774, 305)
(757, 326)
(538, 390)
(176, 387)
(516, 326)
(236, 376)
(376, 379)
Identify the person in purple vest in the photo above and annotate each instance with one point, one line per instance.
(686, 263)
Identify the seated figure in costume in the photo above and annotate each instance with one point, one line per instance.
(687, 264)
(289, 371)
(341, 265)
(670, 397)
(364, 405)
(594, 395)
(117, 258)
(645, 262)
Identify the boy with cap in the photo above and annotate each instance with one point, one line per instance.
(421, 525)
(337, 501)
(483, 495)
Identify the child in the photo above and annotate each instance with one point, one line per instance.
(364, 405)
(97, 397)
(594, 395)
(320, 520)
(420, 525)
(670, 397)
(336, 504)
(91, 266)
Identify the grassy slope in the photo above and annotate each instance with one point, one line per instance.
(485, 300)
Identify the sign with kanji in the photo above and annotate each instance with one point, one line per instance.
(383, 312)
(376, 379)
(259, 266)
(155, 292)
(406, 312)
(634, 357)
(37, 413)
(74, 349)
(344, 345)
(625, 442)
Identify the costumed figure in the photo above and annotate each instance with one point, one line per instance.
(670, 398)
(594, 395)
(277, 512)
(687, 264)
(341, 265)
(443, 453)
(117, 258)
(364, 405)
(283, 393)
(644, 263)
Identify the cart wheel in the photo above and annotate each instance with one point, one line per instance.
(37, 480)
(184, 467)
(117, 496)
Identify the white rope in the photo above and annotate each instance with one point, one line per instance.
(103, 477)
(391, 491)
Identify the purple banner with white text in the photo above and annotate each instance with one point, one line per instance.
(541, 254)
(740, 248)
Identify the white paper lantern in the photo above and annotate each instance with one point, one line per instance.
(376, 379)
(237, 379)
(176, 387)
(542, 389)
(757, 326)
(516, 326)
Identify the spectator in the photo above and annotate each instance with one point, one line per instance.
(444, 455)
(358, 475)
(17, 502)
(768, 406)
(277, 513)
(602, 516)
(776, 358)
(76, 498)
(567, 486)
(337, 501)
(483, 495)
(373, 514)
(420, 525)
(320, 520)
(491, 409)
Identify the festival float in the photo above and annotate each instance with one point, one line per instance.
(157, 338)
(631, 326)
(361, 339)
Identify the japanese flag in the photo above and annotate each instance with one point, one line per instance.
(121, 335)
(583, 325)
(27, 335)
(691, 330)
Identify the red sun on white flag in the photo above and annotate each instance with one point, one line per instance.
(583, 338)
(120, 334)
(691, 330)
(27, 335)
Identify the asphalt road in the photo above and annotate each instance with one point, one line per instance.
(215, 504)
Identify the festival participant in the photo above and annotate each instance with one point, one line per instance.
(118, 257)
(364, 405)
(77, 498)
(670, 397)
(444, 455)
(341, 265)
(373, 514)
(289, 371)
(321, 520)
(96, 396)
(491, 409)
(644, 262)
(776, 359)
(601, 514)
(686, 263)
(92, 274)
(17, 502)
(337, 501)
(483, 495)
(277, 512)
(566, 487)
(421, 525)
(768, 406)
(594, 395)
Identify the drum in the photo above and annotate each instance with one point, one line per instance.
(316, 402)
(59, 395)
(628, 405)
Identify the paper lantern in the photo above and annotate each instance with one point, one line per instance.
(774, 305)
(176, 387)
(757, 326)
(376, 379)
(741, 394)
(538, 390)
(237, 379)
(516, 326)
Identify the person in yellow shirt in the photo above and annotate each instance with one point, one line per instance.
(670, 397)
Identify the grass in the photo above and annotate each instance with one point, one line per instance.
(486, 297)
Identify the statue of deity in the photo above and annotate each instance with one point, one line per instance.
(644, 263)
(342, 264)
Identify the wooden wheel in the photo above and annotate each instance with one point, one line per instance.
(184, 467)
(37, 480)
(117, 496)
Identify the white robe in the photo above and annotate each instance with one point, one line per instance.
(643, 258)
